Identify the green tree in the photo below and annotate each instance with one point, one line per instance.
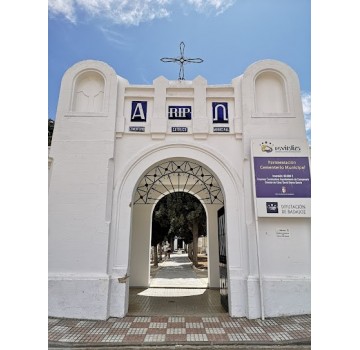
(196, 218)
(160, 228)
(182, 215)
(51, 124)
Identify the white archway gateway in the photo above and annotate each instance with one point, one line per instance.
(168, 177)
(249, 135)
(127, 184)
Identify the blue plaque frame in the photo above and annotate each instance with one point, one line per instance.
(220, 112)
(179, 112)
(141, 114)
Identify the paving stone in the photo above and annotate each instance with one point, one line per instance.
(192, 319)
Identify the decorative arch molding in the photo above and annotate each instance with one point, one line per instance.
(178, 176)
(125, 186)
(184, 150)
(88, 92)
(271, 97)
(277, 74)
(91, 75)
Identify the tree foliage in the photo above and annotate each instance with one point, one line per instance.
(175, 214)
(51, 124)
(179, 214)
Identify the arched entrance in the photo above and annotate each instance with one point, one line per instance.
(187, 183)
(133, 205)
(175, 175)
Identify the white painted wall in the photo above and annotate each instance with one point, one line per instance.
(140, 246)
(79, 205)
(96, 163)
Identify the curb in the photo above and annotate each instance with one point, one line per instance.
(197, 345)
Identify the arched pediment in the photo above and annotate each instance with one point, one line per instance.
(88, 93)
(270, 93)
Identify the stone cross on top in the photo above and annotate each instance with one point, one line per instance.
(182, 60)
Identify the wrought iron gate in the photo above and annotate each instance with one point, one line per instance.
(222, 259)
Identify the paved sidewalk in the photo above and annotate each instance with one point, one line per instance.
(178, 318)
(179, 302)
(177, 272)
(171, 330)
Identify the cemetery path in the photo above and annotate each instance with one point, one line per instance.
(177, 272)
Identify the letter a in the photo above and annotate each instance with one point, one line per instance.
(137, 111)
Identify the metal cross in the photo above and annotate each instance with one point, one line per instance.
(182, 60)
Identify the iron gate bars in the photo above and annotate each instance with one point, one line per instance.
(178, 176)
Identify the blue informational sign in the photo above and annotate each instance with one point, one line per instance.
(282, 177)
(179, 112)
(138, 111)
(220, 113)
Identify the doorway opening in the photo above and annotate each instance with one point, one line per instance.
(179, 224)
(174, 267)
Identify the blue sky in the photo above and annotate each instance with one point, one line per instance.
(132, 36)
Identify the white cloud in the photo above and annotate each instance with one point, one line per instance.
(63, 7)
(208, 5)
(130, 12)
(306, 104)
(116, 38)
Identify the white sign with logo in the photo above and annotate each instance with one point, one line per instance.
(281, 175)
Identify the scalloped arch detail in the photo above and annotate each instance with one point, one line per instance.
(88, 93)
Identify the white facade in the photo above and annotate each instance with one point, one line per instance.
(102, 146)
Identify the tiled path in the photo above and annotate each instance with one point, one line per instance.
(170, 316)
(177, 272)
(179, 330)
(183, 292)
(180, 302)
